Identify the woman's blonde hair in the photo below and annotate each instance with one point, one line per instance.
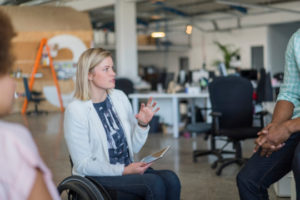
(87, 62)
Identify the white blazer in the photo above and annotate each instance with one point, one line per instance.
(86, 138)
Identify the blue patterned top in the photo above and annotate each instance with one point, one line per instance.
(290, 89)
(117, 144)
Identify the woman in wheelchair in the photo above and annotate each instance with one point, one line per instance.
(23, 172)
(102, 134)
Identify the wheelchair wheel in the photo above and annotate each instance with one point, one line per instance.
(80, 188)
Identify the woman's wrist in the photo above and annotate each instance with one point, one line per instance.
(143, 125)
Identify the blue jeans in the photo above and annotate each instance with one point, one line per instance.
(152, 185)
(260, 172)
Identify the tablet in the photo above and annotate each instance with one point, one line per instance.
(155, 156)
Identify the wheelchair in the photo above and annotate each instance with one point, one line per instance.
(82, 188)
(87, 188)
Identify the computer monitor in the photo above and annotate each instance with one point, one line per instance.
(169, 77)
(165, 78)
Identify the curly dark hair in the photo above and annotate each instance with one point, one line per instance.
(6, 35)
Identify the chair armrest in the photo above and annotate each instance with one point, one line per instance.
(203, 108)
(36, 93)
(261, 115)
(216, 122)
(216, 114)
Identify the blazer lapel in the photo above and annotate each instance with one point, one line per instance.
(97, 129)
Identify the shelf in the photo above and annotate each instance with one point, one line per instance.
(149, 48)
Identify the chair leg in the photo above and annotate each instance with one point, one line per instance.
(228, 162)
(213, 151)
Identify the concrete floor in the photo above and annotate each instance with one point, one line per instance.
(198, 180)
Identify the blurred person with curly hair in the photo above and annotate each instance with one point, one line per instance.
(23, 174)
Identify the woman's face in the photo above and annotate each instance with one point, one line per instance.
(103, 76)
(7, 90)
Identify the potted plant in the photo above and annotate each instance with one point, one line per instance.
(228, 54)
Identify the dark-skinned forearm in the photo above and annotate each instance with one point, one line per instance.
(293, 125)
(283, 111)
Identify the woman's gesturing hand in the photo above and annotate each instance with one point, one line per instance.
(136, 168)
(146, 112)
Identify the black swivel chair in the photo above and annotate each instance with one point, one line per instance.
(207, 129)
(33, 96)
(126, 85)
(264, 88)
(232, 110)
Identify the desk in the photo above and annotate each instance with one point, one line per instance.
(170, 100)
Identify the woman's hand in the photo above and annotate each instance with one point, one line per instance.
(146, 112)
(136, 168)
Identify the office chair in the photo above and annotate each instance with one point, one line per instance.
(232, 107)
(124, 84)
(207, 129)
(33, 96)
(202, 128)
(264, 88)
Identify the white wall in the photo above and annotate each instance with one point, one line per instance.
(278, 37)
(203, 45)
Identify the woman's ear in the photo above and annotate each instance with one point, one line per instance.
(90, 76)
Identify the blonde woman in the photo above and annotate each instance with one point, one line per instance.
(102, 133)
(23, 174)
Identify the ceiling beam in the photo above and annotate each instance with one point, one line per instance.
(85, 5)
(249, 5)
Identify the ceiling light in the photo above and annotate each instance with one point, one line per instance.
(158, 34)
(156, 17)
(189, 29)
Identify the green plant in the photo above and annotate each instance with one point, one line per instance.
(228, 53)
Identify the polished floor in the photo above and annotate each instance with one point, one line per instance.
(198, 180)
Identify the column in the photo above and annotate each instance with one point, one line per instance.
(126, 44)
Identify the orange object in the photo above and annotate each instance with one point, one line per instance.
(35, 68)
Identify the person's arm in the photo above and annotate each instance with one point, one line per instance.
(39, 189)
(271, 138)
(283, 111)
(140, 123)
(138, 134)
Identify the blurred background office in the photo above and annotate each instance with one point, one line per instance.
(169, 49)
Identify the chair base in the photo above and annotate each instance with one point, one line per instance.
(216, 152)
(228, 161)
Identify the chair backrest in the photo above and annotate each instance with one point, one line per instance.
(125, 85)
(232, 96)
(264, 88)
(26, 87)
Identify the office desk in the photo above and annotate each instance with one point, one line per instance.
(168, 104)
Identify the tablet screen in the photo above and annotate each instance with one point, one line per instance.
(155, 156)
